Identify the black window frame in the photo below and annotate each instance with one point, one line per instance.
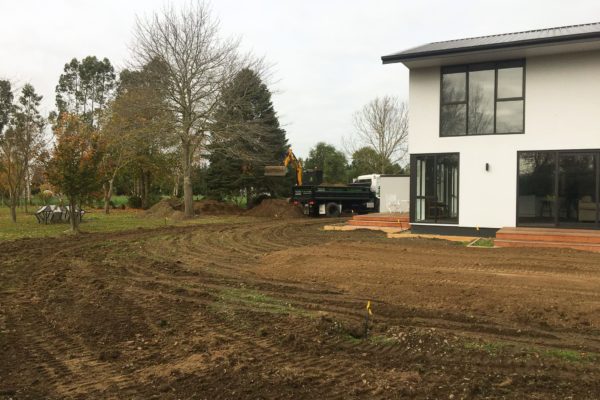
(413, 187)
(483, 66)
(556, 155)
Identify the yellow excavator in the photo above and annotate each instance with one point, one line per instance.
(281, 170)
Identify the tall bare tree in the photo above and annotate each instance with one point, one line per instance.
(195, 63)
(382, 124)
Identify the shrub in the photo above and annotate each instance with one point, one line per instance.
(153, 198)
(134, 202)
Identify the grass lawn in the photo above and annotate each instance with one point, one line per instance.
(94, 221)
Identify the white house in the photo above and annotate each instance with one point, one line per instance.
(504, 131)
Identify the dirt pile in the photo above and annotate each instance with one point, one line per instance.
(215, 207)
(276, 208)
(173, 208)
(166, 208)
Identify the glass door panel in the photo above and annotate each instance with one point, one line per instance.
(436, 188)
(447, 188)
(536, 202)
(577, 202)
(425, 184)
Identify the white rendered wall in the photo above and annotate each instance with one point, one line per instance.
(562, 111)
(394, 194)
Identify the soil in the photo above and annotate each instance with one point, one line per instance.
(173, 209)
(215, 207)
(166, 208)
(271, 308)
(276, 208)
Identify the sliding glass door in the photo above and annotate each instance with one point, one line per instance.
(435, 187)
(558, 188)
(577, 202)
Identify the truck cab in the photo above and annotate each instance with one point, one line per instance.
(371, 180)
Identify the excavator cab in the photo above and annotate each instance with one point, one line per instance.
(313, 177)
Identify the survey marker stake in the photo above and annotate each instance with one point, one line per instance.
(368, 313)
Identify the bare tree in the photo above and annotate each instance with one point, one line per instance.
(382, 124)
(195, 64)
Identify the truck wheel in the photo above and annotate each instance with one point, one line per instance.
(332, 210)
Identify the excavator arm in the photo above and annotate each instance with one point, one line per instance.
(290, 158)
(297, 164)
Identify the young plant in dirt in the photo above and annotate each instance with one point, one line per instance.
(73, 167)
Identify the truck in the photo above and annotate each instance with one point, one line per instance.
(366, 193)
(316, 199)
(332, 200)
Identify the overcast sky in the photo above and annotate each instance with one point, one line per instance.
(326, 54)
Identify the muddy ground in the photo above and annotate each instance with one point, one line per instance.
(275, 309)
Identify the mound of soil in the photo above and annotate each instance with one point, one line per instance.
(173, 208)
(215, 207)
(164, 209)
(276, 208)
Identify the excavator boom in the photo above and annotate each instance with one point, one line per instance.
(278, 170)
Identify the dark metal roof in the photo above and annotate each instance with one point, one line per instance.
(506, 40)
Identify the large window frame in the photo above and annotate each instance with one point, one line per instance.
(423, 199)
(556, 222)
(487, 66)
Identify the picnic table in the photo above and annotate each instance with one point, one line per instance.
(52, 214)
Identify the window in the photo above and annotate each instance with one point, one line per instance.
(435, 188)
(559, 188)
(482, 99)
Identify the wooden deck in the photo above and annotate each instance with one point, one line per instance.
(580, 239)
(382, 220)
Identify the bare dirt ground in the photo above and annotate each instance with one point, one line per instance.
(272, 309)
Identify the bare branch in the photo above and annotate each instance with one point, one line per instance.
(382, 124)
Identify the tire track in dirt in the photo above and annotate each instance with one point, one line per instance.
(334, 306)
(176, 334)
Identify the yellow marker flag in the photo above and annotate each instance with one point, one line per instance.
(369, 307)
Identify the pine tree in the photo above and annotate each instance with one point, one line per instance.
(245, 137)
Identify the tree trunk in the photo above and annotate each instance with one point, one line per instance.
(176, 185)
(13, 208)
(28, 187)
(74, 216)
(108, 190)
(134, 190)
(144, 189)
(26, 203)
(188, 195)
(147, 182)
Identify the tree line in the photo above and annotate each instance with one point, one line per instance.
(190, 114)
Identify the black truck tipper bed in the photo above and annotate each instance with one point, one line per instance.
(333, 200)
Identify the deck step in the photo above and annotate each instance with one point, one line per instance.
(391, 224)
(384, 217)
(549, 235)
(546, 244)
(381, 220)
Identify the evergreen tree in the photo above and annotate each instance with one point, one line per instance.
(366, 161)
(245, 136)
(330, 160)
